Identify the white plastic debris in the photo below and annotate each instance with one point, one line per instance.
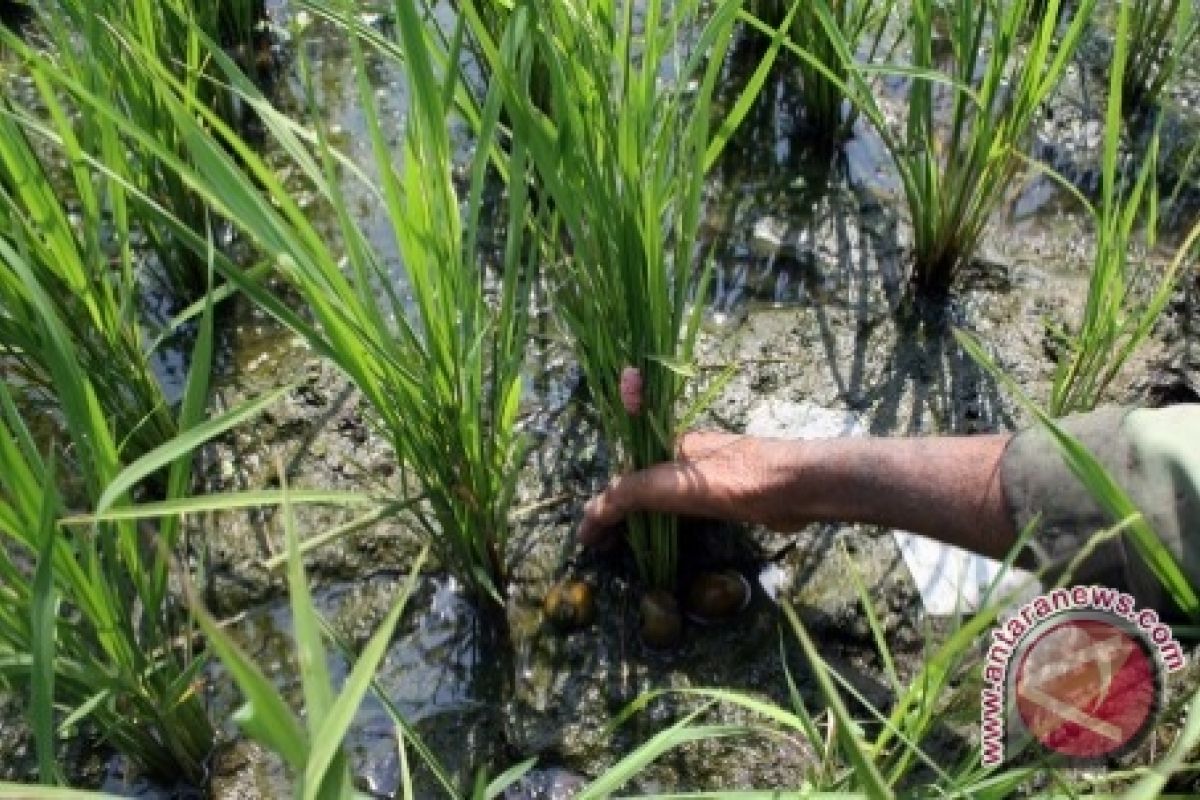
(950, 579)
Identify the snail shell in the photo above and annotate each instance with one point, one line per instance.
(662, 624)
(717, 596)
(570, 604)
(631, 390)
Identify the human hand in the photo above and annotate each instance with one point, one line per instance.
(715, 475)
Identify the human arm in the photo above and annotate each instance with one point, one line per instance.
(947, 488)
(975, 492)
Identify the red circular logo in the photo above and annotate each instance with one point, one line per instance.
(1087, 688)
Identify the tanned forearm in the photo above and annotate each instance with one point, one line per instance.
(947, 488)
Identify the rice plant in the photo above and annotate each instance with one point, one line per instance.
(958, 151)
(86, 40)
(1124, 298)
(1161, 35)
(89, 625)
(631, 210)
(825, 105)
(86, 623)
(311, 744)
(442, 369)
(622, 161)
(77, 253)
(828, 116)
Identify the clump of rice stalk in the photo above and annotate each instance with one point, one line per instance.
(87, 42)
(78, 254)
(311, 744)
(441, 368)
(1124, 298)
(959, 151)
(825, 104)
(622, 161)
(163, 26)
(1161, 34)
(828, 116)
(87, 624)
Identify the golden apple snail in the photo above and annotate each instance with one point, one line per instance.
(631, 390)
(570, 604)
(717, 596)
(662, 624)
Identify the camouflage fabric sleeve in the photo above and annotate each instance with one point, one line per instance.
(1154, 454)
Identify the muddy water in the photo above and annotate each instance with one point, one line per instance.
(809, 256)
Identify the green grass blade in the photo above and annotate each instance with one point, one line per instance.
(310, 651)
(678, 734)
(265, 716)
(877, 633)
(753, 87)
(336, 723)
(183, 445)
(853, 747)
(228, 501)
(501, 782)
(409, 734)
(333, 534)
(43, 615)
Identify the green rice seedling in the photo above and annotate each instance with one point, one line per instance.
(86, 622)
(1161, 35)
(441, 370)
(313, 748)
(959, 151)
(825, 105)
(621, 159)
(76, 253)
(1124, 297)
(828, 116)
(624, 171)
(87, 41)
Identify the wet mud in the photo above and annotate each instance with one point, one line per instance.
(810, 303)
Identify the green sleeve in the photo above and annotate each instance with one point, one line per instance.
(1154, 454)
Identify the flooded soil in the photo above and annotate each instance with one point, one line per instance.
(810, 306)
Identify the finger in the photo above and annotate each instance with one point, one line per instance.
(669, 488)
(605, 510)
(698, 444)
